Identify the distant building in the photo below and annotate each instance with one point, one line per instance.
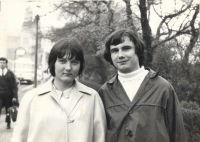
(3, 29)
(10, 27)
(15, 35)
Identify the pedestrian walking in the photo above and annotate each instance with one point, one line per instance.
(8, 89)
(140, 105)
(62, 109)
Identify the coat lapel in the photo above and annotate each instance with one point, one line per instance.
(120, 93)
(143, 89)
(146, 85)
(77, 93)
(76, 97)
(48, 88)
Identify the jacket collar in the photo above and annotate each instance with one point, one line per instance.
(146, 85)
(48, 87)
(152, 74)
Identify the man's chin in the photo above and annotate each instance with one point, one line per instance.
(124, 70)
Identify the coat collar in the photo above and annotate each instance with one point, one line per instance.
(48, 87)
(146, 85)
(79, 90)
(152, 74)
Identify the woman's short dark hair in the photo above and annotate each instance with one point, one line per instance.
(119, 37)
(66, 46)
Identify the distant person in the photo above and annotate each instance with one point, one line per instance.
(8, 89)
(62, 109)
(140, 105)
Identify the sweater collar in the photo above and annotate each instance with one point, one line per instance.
(152, 74)
(132, 75)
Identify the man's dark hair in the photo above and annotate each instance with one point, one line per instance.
(66, 46)
(4, 59)
(119, 37)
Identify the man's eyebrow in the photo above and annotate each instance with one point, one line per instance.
(126, 46)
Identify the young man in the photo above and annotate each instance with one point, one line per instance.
(140, 105)
(8, 88)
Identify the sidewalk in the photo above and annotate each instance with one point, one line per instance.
(5, 134)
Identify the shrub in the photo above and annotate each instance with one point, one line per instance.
(191, 118)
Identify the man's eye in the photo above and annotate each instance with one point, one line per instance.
(126, 48)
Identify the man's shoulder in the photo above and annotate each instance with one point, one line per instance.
(10, 72)
(160, 81)
(109, 82)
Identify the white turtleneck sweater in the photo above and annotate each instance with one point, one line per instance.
(132, 81)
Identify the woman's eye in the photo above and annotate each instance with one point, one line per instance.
(114, 51)
(75, 62)
(62, 61)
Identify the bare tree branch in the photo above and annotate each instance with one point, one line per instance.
(170, 16)
(194, 36)
(178, 33)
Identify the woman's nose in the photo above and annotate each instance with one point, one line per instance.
(68, 66)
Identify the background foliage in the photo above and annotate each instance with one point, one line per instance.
(173, 49)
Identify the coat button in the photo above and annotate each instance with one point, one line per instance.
(130, 134)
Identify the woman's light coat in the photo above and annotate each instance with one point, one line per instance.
(42, 119)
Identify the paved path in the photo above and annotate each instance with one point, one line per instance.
(5, 134)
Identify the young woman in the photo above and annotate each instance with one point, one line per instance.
(62, 109)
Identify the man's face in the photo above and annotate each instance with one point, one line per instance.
(2, 64)
(66, 70)
(123, 56)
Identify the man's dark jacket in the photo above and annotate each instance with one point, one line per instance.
(154, 115)
(8, 85)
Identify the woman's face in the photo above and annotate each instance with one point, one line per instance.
(66, 70)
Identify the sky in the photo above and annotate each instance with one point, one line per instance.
(14, 12)
(48, 17)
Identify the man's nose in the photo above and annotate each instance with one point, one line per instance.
(120, 54)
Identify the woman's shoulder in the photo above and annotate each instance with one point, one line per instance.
(28, 97)
(35, 92)
(85, 89)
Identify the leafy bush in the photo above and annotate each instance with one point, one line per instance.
(191, 117)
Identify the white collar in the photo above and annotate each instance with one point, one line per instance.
(66, 92)
(5, 70)
(137, 74)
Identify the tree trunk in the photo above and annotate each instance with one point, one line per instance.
(129, 15)
(194, 37)
(146, 31)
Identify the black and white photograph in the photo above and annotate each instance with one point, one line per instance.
(99, 70)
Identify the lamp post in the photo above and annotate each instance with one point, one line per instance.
(19, 52)
(36, 50)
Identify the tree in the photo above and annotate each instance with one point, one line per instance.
(93, 21)
(166, 30)
(91, 24)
